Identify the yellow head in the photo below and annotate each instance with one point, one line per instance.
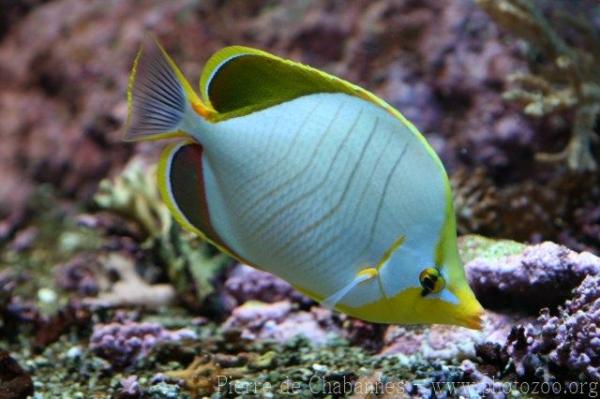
(440, 293)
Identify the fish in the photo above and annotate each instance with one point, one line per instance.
(307, 176)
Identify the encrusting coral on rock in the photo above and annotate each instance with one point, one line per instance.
(245, 283)
(280, 321)
(542, 276)
(565, 346)
(123, 344)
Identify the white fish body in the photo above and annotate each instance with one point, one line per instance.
(315, 189)
(330, 190)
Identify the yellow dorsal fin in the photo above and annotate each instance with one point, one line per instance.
(239, 80)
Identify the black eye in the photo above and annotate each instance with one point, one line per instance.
(428, 282)
(431, 280)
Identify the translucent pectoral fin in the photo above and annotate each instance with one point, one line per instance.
(362, 276)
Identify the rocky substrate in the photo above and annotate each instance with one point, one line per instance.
(541, 327)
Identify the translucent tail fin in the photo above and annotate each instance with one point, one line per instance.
(158, 96)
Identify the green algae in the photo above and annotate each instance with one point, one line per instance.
(473, 246)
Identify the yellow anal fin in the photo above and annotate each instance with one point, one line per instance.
(181, 184)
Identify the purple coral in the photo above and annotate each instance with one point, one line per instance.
(123, 344)
(79, 275)
(542, 276)
(567, 344)
(281, 321)
(130, 388)
(247, 283)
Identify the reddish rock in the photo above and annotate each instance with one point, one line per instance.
(15, 383)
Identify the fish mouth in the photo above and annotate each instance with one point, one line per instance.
(469, 312)
(472, 319)
(473, 322)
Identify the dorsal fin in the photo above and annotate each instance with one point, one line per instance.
(239, 80)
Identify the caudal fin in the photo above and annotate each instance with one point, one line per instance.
(158, 96)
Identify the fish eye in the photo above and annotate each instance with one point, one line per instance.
(431, 280)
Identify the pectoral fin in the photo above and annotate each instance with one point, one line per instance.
(363, 275)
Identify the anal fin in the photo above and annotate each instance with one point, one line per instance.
(181, 184)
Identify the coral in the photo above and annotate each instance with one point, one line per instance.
(448, 343)
(246, 283)
(445, 75)
(558, 208)
(134, 195)
(124, 344)
(250, 287)
(79, 275)
(583, 234)
(279, 321)
(476, 202)
(130, 388)
(473, 247)
(567, 81)
(564, 346)
(542, 276)
(130, 289)
(15, 383)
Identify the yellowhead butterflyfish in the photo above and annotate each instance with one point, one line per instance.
(309, 177)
